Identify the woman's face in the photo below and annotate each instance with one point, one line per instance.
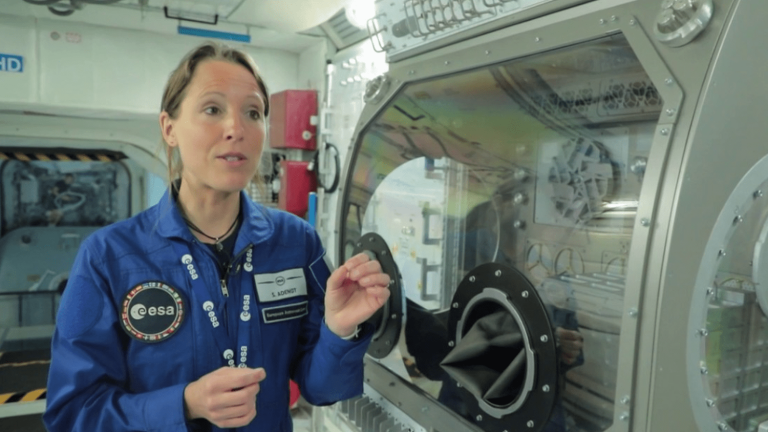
(220, 127)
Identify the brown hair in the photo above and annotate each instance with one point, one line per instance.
(176, 90)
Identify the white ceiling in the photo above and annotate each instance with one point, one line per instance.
(271, 23)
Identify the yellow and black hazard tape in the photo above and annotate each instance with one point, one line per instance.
(30, 396)
(59, 155)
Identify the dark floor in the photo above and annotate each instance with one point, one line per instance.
(30, 423)
(21, 372)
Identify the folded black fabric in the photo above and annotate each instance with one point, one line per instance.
(489, 360)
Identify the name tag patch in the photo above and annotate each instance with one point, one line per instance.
(280, 286)
(284, 313)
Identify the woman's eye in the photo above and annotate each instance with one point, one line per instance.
(212, 110)
(254, 114)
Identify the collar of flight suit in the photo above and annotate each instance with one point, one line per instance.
(256, 225)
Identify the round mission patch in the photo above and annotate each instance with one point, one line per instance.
(152, 312)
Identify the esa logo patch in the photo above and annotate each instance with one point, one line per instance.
(152, 312)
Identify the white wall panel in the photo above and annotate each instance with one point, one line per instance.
(17, 37)
(101, 72)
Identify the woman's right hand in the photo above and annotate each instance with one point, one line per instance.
(225, 397)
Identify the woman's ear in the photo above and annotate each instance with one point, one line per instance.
(166, 128)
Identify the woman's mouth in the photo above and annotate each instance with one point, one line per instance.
(233, 159)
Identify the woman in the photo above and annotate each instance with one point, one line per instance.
(177, 318)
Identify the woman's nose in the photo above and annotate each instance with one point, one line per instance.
(234, 129)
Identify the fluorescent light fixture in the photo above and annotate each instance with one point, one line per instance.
(358, 12)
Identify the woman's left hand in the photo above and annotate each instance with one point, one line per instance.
(354, 292)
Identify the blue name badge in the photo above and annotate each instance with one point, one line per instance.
(11, 63)
(284, 313)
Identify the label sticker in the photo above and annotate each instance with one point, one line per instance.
(280, 286)
(11, 63)
(284, 313)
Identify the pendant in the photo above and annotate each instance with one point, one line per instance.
(219, 247)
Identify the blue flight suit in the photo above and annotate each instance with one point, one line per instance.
(102, 379)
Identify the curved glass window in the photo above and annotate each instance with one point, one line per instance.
(49, 202)
(536, 163)
(735, 337)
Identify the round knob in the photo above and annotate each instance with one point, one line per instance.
(375, 89)
(680, 21)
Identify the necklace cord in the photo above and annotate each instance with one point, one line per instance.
(215, 239)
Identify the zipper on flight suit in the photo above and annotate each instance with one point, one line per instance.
(225, 276)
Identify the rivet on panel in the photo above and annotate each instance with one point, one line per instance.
(451, 343)
(710, 402)
(455, 305)
(632, 22)
(545, 388)
(669, 81)
(671, 111)
(702, 332)
(529, 423)
(665, 131)
(722, 426)
(738, 219)
(544, 338)
(471, 278)
(633, 312)
(602, 21)
(479, 418)
(447, 62)
(525, 294)
(704, 371)
(487, 52)
(757, 194)
(721, 253)
(624, 416)
(497, 273)
(645, 222)
(614, 18)
(625, 400)
(537, 39)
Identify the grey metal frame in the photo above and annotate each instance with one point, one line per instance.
(583, 23)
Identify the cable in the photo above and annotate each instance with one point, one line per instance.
(337, 172)
(67, 11)
(42, 2)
